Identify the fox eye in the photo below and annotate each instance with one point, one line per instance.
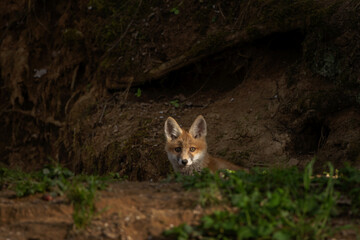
(192, 149)
(178, 149)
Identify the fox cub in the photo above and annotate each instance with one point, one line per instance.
(187, 151)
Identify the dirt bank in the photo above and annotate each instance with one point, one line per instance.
(88, 84)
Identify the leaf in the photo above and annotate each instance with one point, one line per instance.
(330, 186)
(175, 103)
(281, 235)
(310, 205)
(245, 232)
(46, 171)
(138, 92)
(175, 10)
(308, 173)
(207, 222)
(274, 199)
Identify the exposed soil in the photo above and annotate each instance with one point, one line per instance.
(277, 87)
(128, 211)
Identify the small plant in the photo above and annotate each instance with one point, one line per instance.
(9, 177)
(175, 103)
(349, 183)
(82, 196)
(175, 10)
(117, 176)
(51, 178)
(138, 92)
(210, 195)
(269, 204)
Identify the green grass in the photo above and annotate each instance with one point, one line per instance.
(80, 190)
(270, 203)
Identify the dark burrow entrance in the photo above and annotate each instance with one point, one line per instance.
(223, 71)
(310, 136)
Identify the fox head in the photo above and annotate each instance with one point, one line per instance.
(185, 148)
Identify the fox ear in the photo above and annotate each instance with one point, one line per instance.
(198, 128)
(172, 129)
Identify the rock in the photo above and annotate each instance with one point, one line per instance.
(47, 197)
(39, 72)
(293, 162)
(107, 233)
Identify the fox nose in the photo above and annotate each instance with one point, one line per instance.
(184, 161)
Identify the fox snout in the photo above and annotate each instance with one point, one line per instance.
(183, 159)
(186, 158)
(184, 162)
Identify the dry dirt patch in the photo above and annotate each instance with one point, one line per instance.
(128, 210)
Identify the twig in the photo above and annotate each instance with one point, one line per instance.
(221, 12)
(242, 16)
(102, 113)
(38, 20)
(357, 5)
(69, 101)
(74, 78)
(104, 109)
(126, 92)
